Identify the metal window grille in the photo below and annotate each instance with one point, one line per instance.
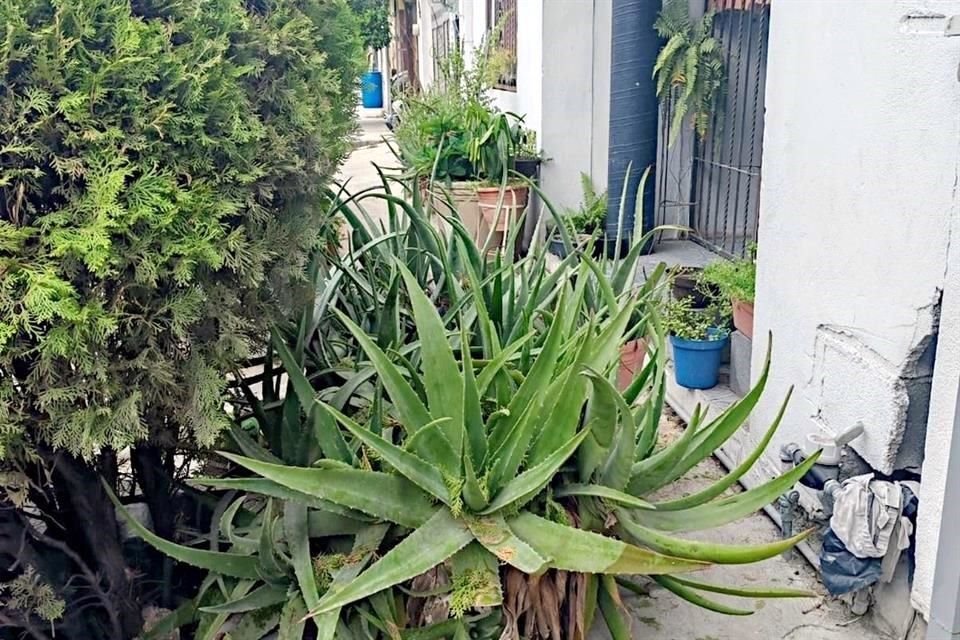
(503, 13)
(713, 185)
(442, 46)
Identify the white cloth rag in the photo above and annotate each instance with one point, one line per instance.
(867, 514)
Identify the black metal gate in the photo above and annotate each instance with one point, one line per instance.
(713, 185)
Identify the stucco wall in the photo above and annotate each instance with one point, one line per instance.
(860, 171)
(943, 403)
(576, 96)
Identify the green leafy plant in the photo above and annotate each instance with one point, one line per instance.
(528, 147)
(590, 216)
(494, 139)
(495, 489)
(459, 445)
(452, 132)
(163, 168)
(689, 70)
(682, 320)
(374, 19)
(736, 279)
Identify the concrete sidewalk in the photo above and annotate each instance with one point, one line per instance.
(664, 616)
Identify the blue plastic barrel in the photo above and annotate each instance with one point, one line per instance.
(371, 89)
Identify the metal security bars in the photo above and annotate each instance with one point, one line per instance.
(713, 185)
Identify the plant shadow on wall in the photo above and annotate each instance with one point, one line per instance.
(451, 458)
(160, 192)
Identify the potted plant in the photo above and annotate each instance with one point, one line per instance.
(494, 138)
(374, 22)
(698, 342)
(462, 149)
(736, 281)
(528, 158)
(584, 223)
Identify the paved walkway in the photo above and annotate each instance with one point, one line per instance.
(663, 616)
(660, 615)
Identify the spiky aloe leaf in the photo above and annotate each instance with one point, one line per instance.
(210, 625)
(260, 598)
(238, 565)
(420, 472)
(693, 597)
(475, 493)
(602, 414)
(440, 368)
(292, 621)
(388, 334)
(324, 524)
(183, 615)
(270, 568)
(488, 333)
(249, 447)
(296, 531)
(601, 491)
(582, 551)
(726, 510)
(496, 537)
(365, 544)
(528, 484)
(611, 608)
(511, 437)
(493, 367)
(616, 468)
(706, 551)
(272, 489)
(476, 436)
(649, 473)
(432, 543)
(745, 592)
(381, 495)
(244, 545)
(717, 488)
(602, 351)
(328, 436)
(712, 436)
(413, 414)
(476, 580)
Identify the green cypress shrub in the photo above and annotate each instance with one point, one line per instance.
(161, 167)
(162, 170)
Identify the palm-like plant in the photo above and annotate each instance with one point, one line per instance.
(689, 70)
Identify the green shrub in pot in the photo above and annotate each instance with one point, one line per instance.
(736, 282)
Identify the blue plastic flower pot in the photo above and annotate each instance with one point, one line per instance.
(371, 90)
(696, 363)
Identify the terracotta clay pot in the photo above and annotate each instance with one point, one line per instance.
(632, 356)
(500, 215)
(743, 317)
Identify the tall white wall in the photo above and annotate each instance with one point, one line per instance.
(860, 174)
(943, 404)
(527, 99)
(576, 95)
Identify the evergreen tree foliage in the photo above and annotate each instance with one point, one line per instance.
(162, 164)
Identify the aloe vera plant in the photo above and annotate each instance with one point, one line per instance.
(472, 454)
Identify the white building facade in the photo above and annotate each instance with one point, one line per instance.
(562, 86)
